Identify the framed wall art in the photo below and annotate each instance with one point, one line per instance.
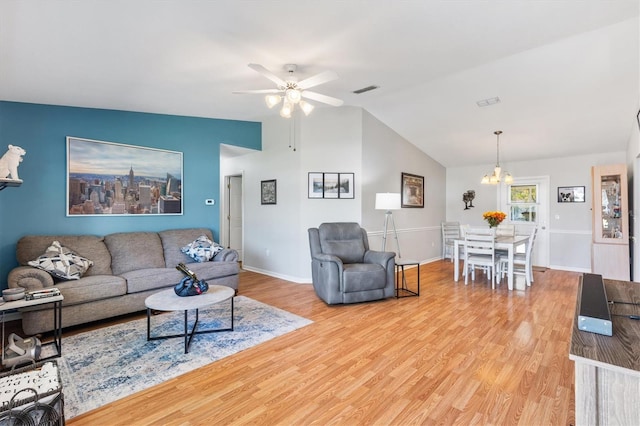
(331, 185)
(107, 178)
(571, 194)
(412, 190)
(268, 192)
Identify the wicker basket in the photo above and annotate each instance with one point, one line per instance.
(27, 406)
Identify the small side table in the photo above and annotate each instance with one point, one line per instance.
(401, 281)
(57, 320)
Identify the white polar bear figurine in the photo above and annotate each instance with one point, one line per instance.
(10, 161)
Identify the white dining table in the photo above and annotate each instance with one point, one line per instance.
(508, 243)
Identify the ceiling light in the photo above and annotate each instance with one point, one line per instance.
(496, 176)
(287, 109)
(293, 95)
(306, 107)
(272, 100)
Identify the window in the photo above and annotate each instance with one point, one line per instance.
(523, 204)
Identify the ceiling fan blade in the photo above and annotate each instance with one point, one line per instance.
(252, 92)
(265, 72)
(317, 79)
(322, 98)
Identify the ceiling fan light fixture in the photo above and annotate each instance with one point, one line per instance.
(272, 100)
(286, 110)
(292, 91)
(293, 95)
(306, 107)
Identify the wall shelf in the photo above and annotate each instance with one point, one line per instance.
(5, 183)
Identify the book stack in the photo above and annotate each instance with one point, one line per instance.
(41, 294)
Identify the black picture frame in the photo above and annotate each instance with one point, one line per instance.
(268, 192)
(331, 185)
(412, 191)
(571, 194)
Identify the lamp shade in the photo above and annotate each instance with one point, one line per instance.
(388, 201)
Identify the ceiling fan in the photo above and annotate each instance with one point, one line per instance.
(292, 92)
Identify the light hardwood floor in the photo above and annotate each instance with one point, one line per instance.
(455, 355)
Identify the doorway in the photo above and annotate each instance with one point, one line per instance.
(233, 215)
(526, 202)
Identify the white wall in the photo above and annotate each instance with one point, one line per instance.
(341, 140)
(275, 236)
(633, 160)
(386, 155)
(570, 224)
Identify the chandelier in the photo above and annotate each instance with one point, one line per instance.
(496, 177)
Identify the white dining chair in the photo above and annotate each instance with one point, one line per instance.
(522, 262)
(450, 232)
(505, 230)
(480, 252)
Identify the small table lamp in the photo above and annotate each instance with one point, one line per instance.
(388, 201)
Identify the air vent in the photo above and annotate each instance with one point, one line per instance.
(365, 89)
(488, 102)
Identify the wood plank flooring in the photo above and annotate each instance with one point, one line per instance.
(455, 355)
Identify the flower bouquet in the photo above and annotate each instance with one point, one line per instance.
(494, 218)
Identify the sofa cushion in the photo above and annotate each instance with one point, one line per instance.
(151, 278)
(134, 250)
(364, 276)
(88, 246)
(92, 288)
(174, 239)
(61, 262)
(202, 249)
(211, 270)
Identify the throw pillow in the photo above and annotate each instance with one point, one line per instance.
(61, 262)
(202, 249)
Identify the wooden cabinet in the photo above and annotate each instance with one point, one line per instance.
(610, 247)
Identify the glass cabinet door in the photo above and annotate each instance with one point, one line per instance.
(610, 222)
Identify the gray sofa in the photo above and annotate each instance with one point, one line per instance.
(127, 268)
(344, 269)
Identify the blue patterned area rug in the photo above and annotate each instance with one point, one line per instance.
(107, 364)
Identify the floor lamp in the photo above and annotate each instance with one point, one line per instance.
(388, 201)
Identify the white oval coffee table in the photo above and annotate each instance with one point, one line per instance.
(168, 300)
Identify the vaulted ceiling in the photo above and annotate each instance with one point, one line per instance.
(566, 72)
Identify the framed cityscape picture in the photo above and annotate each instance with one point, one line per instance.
(107, 178)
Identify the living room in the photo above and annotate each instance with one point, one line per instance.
(355, 138)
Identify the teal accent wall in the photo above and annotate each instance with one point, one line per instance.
(38, 206)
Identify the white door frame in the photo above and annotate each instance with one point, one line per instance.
(225, 219)
(541, 247)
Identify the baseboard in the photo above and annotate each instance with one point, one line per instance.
(296, 280)
(570, 269)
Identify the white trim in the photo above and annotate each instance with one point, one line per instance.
(407, 230)
(569, 231)
(296, 280)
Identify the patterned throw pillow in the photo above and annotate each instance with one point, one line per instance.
(62, 263)
(202, 249)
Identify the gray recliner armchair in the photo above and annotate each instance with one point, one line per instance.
(344, 270)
